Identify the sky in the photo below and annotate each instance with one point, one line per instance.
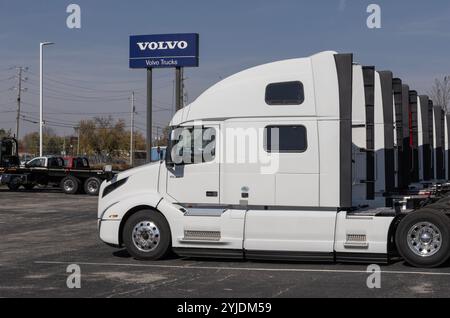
(87, 74)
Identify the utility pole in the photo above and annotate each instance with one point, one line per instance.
(19, 95)
(78, 140)
(63, 152)
(133, 110)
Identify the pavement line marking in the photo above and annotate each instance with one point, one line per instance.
(260, 269)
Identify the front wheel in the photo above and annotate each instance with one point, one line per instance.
(146, 235)
(423, 238)
(14, 184)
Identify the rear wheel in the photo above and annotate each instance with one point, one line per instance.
(146, 235)
(92, 186)
(423, 238)
(70, 185)
(14, 184)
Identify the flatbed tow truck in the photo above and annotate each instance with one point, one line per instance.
(43, 171)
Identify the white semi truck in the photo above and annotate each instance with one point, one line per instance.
(299, 159)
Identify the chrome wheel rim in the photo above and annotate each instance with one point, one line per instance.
(69, 185)
(424, 239)
(92, 186)
(146, 236)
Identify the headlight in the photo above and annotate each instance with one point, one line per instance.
(113, 186)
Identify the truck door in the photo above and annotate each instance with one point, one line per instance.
(194, 176)
(55, 169)
(39, 171)
(194, 184)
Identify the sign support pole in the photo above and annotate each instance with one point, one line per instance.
(179, 87)
(133, 110)
(149, 115)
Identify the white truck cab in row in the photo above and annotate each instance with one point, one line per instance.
(292, 160)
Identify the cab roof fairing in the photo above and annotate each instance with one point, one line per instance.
(243, 94)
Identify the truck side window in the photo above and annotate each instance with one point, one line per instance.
(36, 163)
(285, 139)
(192, 145)
(54, 163)
(285, 93)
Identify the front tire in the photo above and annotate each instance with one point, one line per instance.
(146, 235)
(14, 184)
(423, 238)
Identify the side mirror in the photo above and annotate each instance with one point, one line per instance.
(108, 170)
(169, 161)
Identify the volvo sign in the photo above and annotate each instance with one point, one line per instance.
(164, 50)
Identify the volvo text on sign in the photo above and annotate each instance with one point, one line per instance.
(164, 50)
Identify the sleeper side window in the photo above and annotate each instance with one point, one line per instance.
(285, 93)
(285, 139)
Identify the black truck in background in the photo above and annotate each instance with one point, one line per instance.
(51, 170)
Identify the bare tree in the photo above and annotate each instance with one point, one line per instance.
(440, 93)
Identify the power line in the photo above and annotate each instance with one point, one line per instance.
(82, 113)
(7, 79)
(7, 69)
(63, 80)
(49, 120)
(65, 92)
(34, 105)
(6, 90)
(81, 99)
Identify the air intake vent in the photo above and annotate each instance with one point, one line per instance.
(201, 236)
(356, 241)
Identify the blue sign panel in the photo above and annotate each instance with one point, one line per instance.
(164, 50)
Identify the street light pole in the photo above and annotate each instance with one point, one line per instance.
(41, 99)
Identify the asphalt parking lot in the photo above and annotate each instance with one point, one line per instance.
(44, 231)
